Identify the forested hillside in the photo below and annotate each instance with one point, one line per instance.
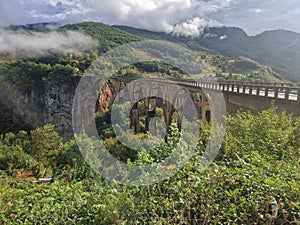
(277, 49)
(107, 36)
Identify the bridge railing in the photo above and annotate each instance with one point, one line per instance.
(285, 91)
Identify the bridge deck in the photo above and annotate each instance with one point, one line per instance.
(285, 91)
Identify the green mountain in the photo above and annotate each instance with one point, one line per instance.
(279, 49)
(234, 50)
(104, 34)
(209, 42)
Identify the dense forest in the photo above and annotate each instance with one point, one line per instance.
(254, 179)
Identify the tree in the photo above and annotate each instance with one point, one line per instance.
(45, 145)
(61, 73)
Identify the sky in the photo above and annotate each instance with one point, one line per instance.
(180, 17)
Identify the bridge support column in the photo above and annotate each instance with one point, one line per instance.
(244, 89)
(276, 92)
(250, 90)
(258, 91)
(287, 93)
(266, 91)
(238, 88)
(168, 110)
(134, 119)
(146, 104)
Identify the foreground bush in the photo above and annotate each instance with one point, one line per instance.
(254, 180)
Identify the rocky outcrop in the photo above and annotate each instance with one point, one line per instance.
(108, 94)
(20, 109)
(58, 102)
(28, 109)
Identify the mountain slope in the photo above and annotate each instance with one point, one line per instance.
(278, 49)
(224, 41)
(281, 50)
(103, 33)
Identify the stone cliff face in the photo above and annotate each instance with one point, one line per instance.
(58, 102)
(20, 109)
(49, 103)
(52, 103)
(108, 94)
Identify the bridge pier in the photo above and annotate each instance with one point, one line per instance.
(135, 119)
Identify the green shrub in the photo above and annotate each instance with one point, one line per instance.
(254, 180)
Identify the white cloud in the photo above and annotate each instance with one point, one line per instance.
(178, 16)
(210, 35)
(223, 37)
(41, 43)
(49, 10)
(192, 28)
(257, 11)
(181, 17)
(256, 16)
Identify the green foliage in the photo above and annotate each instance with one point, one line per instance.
(45, 142)
(63, 74)
(267, 134)
(106, 35)
(158, 67)
(26, 75)
(258, 162)
(13, 156)
(239, 69)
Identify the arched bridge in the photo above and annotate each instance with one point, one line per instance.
(205, 95)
